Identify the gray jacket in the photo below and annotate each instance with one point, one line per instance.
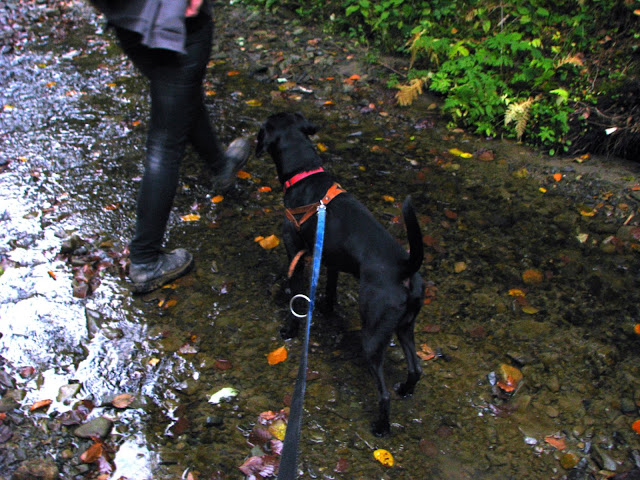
(160, 22)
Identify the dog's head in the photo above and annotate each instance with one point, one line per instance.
(285, 136)
(277, 127)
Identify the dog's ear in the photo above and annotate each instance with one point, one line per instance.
(260, 145)
(305, 126)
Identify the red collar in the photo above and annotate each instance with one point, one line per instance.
(299, 176)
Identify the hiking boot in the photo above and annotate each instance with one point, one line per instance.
(236, 157)
(168, 267)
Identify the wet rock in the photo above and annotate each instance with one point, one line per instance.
(8, 402)
(67, 392)
(627, 406)
(99, 426)
(629, 233)
(603, 459)
(569, 460)
(37, 469)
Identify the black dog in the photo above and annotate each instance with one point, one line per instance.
(391, 290)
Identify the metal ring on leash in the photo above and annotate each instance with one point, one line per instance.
(300, 295)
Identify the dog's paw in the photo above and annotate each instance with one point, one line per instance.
(403, 390)
(380, 428)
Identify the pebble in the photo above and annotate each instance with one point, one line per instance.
(37, 469)
(99, 426)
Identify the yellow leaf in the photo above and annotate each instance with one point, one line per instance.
(278, 429)
(459, 153)
(543, 190)
(217, 199)
(154, 361)
(587, 211)
(111, 85)
(384, 457)
(459, 267)
(210, 93)
(192, 217)
(254, 103)
(516, 292)
(51, 84)
(322, 147)
(269, 242)
(8, 108)
(528, 309)
(522, 173)
(277, 356)
(388, 198)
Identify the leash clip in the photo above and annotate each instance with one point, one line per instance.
(296, 314)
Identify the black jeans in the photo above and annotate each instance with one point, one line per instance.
(178, 116)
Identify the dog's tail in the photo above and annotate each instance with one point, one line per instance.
(416, 249)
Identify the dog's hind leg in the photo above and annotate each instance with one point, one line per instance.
(405, 334)
(331, 289)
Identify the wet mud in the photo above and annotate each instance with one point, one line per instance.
(532, 266)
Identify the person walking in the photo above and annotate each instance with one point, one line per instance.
(170, 43)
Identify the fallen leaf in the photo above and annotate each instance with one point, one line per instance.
(278, 429)
(532, 276)
(556, 442)
(277, 356)
(154, 361)
(217, 199)
(254, 103)
(384, 457)
(51, 274)
(40, 404)
(233, 73)
(123, 400)
(636, 328)
(192, 217)
(92, 453)
(264, 189)
(322, 147)
(509, 377)
(516, 292)
(269, 242)
(243, 175)
(222, 364)
(328, 103)
(529, 309)
(426, 352)
(459, 153)
(459, 267)
(388, 198)
(587, 211)
(636, 426)
(557, 177)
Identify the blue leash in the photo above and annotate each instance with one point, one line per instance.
(289, 458)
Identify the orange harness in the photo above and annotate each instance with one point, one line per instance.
(308, 211)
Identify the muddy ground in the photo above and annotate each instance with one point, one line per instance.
(531, 359)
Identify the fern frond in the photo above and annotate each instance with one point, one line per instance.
(572, 59)
(408, 93)
(413, 47)
(519, 113)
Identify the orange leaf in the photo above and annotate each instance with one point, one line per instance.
(264, 189)
(233, 73)
(322, 147)
(328, 103)
(516, 292)
(51, 274)
(636, 426)
(243, 175)
(122, 401)
(93, 453)
(557, 177)
(426, 352)
(277, 356)
(40, 404)
(556, 442)
(217, 199)
(532, 276)
(269, 242)
(192, 217)
(636, 329)
(388, 198)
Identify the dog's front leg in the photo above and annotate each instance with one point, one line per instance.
(295, 277)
